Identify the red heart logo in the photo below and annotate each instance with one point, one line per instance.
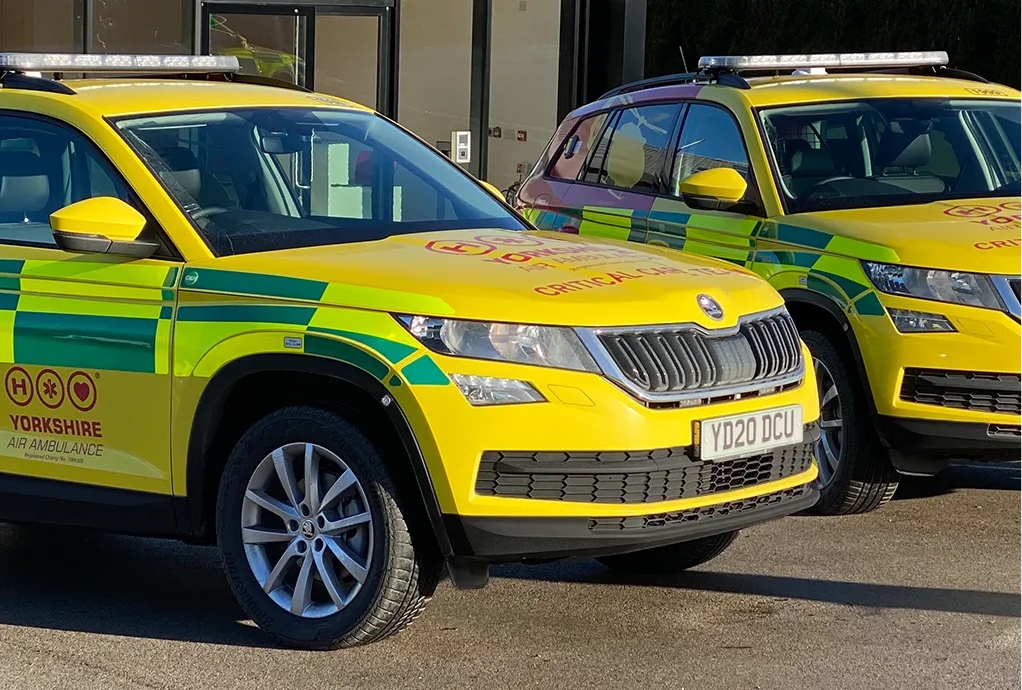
(81, 390)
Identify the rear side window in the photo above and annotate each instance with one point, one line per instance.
(631, 152)
(709, 139)
(577, 148)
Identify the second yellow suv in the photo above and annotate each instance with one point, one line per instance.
(879, 193)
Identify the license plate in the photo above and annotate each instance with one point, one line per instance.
(752, 433)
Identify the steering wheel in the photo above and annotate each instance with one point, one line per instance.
(208, 211)
(809, 193)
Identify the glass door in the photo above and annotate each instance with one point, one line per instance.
(339, 49)
(267, 43)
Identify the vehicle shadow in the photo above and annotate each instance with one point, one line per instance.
(860, 594)
(63, 579)
(997, 476)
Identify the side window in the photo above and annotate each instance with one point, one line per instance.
(710, 138)
(43, 168)
(631, 152)
(577, 148)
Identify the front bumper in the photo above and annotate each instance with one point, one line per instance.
(945, 441)
(504, 539)
(944, 395)
(585, 415)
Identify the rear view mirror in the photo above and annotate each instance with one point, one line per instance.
(713, 189)
(101, 225)
(280, 143)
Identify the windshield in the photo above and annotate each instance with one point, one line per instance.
(261, 179)
(892, 151)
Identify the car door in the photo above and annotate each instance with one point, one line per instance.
(84, 338)
(618, 184)
(709, 138)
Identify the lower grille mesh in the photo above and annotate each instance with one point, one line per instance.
(696, 514)
(637, 477)
(963, 390)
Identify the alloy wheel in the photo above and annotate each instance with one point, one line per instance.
(828, 448)
(307, 530)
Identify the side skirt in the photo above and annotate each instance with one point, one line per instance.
(30, 500)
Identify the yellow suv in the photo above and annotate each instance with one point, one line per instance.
(879, 193)
(274, 320)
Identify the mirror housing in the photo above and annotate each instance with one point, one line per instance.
(101, 225)
(492, 189)
(713, 189)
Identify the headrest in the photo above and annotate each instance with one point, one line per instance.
(180, 158)
(24, 186)
(20, 164)
(904, 149)
(626, 159)
(184, 168)
(811, 163)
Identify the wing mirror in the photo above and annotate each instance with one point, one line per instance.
(714, 189)
(101, 225)
(492, 190)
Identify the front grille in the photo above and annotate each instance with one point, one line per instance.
(744, 505)
(632, 477)
(684, 360)
(964, 390)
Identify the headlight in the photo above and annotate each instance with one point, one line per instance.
(972, 289)
(545, 346)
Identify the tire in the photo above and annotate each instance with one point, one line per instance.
(864, 478)
(673, 558)
(399, 575)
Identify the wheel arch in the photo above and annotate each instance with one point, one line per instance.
(804, 305)
(204, 467)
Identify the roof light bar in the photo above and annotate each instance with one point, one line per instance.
(766, 62)
(55, 62)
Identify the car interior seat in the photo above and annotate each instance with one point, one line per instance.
(810, 167)
(197, 182)
(905, 147)
(25, 198)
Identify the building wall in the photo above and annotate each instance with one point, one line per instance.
(435, 68)
(39, 25)
(524, 59)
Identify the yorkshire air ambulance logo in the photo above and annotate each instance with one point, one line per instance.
(710, 307)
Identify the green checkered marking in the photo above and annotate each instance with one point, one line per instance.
(336, 349)
(256, 284)
(393, 351)
(247, 313)
(425, 372)
(85, 341)
(869, 305)
(850, 287)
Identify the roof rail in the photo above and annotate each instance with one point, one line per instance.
(27, 82)
(723, 77)
(236, 77)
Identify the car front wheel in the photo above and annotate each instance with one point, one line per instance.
(856, 474)
(314, 538)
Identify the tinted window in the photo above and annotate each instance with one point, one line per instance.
(710, 138)
(276, 178)
(631, 153)
(893, 151)
(43, 168)
(577, 148)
